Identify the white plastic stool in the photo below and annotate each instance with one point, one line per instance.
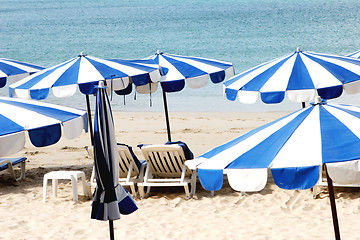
(72, 175)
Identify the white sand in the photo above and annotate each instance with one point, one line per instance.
(272, 213)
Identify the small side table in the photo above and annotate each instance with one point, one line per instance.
(71, 175)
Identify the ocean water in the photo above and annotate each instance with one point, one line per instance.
(244, 32)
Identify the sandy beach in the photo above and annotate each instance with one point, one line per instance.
(272, 213)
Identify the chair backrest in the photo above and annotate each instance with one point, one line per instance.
(125, 158)
(165, 160)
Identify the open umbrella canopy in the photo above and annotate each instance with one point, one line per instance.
(85, 71)
(176, 70)
(15, 70)
(43, 122)
(293, 147)
(354, 54)
(195, 71)
(300, 75)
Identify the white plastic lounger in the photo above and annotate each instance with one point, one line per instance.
(129, 172)
(166, 168)
(8, 163)
(343, 174)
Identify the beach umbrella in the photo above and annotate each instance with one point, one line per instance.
(178, 70)
(110, 198)
(354, 54)
(15, 70)
(85, 72)
(302, 75)
(294, 148)
(43, 122)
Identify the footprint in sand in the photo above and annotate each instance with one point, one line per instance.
(292, 203)
(32, 153)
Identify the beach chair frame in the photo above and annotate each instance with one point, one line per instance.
(129, 173)
(8, 163)
(166, 167)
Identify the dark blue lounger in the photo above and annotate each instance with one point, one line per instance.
(8, 163)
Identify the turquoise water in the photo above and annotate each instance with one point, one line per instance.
(244, 32)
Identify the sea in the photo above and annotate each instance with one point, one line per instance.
(244, 32)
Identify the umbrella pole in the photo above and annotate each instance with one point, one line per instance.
(89, 117)
(111, 228)
(333, 205)
(166, 116)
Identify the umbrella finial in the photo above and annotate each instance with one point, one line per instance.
(298, 49)
(159, 52)
(82, 54)
(318, 100)
(101, 84)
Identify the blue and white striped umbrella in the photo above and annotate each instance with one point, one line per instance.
(195, 71)
(43, 122)
(293, 147)
(176, 70)
(15, 70)
(354, 54)
(85, 71)
(301, 75)
(110, 198)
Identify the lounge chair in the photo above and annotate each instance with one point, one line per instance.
(131, 170)
(8, 163)
(166, 168)
(347, 172)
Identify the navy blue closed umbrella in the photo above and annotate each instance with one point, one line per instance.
(110, 198)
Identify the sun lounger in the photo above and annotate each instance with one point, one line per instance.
(131, 170)
(347, 174)
(166, 168)
(8, 163)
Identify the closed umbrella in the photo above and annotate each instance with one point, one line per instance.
(177, 71)
(45, 124)
(302, 75)
(15, 70)
(85, 72)
(293, 147)
(110, 198)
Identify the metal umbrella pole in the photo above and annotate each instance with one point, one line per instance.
(166, 116)
(89, 119)
(333, 205)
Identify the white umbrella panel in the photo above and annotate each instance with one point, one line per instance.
(43, 122)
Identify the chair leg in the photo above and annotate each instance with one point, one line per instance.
(74, 188)
(44, 189)
(85, 186)
(141, 191)
(186, 187)
(148, 190)
(193, 182)
(22, 172)
(11, 170)
(133, 191)
(54, 187)
(315, 191)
